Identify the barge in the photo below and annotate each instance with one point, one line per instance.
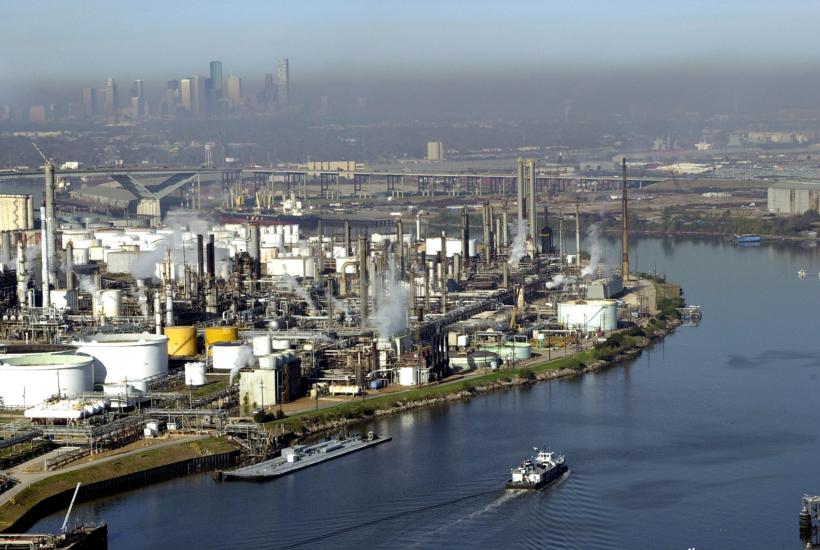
(537, 472)
(298, 457)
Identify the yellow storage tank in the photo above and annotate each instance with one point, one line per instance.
(181, 341)
(220, 334)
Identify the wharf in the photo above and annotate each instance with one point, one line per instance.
(316, 454)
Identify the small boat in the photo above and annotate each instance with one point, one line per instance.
(747, 239)
(538, 471)
(802, 273)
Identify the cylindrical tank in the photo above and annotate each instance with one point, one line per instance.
(589, 315)
(261, 345)
(520, 350)
(280, 344)
(28, 380)
(270, 361)
(195, 374)
(219, 334)
(228, 355)
(181, 341)
(80, 256)
(107, 302)
(64, 299)
(17, 350)
(125, 357)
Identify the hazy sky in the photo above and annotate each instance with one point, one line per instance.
(91, 39)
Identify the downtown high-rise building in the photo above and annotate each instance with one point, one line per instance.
(234, 92)
(138, 105)
(90, 107)
(282, 83)
(192, 94)
(111, 103)
(269, 93)
(216, 92)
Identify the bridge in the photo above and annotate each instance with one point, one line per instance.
(336, 184)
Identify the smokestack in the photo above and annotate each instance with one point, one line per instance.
(519, 181)
(505, 275)
(546, 234)
(504, 226)
(465, 234)
(320, 248)
(561, 237)
(44, 257)
(486, 225)
(362, 252)
(157, 313)
(625, 231)
(426, 282)
(329, 294)
(254, 248)
(578, 237)
(400, 246)
(348, 252)
(69, 266)
(418, 226)
(22, 276)
(533, 217)
(210, 261)
(169, 307)
(5, 250)
(200, 260)
(51, 224)
(497, 239)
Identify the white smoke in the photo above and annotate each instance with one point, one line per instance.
(560, 281)
(340, 306)
(518, 248)
(87, 284)
(300, 291)
(595, 250)
(243, 359)
(391, 316)
(142, 300)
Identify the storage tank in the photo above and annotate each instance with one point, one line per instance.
(589, 315)
(80, 256)
(280, 344)
(270, 361)
(181, 341)
(520, 350)
(17, 350)
(227, 355)
(28, 380)
(261, 345)
(107, 303)
(125, 357)
(219, 334)
(14, 213)
(195, 374)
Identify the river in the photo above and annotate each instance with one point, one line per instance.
(708, 440)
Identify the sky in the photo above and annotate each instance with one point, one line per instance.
(82, 42)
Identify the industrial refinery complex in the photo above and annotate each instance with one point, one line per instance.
(188, 319)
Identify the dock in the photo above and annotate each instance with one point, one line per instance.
(294, 459)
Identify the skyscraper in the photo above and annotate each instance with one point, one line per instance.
(185, 95)
(137, 99)
(282, 83)
(90, 101)
(111, 98)
(269, 95)
(234, 91)
(192, 94)
(216, 94)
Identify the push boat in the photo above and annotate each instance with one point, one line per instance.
(538, 471)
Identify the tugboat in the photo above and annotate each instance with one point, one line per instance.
(536, 472)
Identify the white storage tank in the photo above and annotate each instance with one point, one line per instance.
(107, 303)
(195, 374)
(589, 315)
(228, 355)
(261, 345)
(125, 357)
(80, 256)
(270, 361)
(280, 344)
(29, 380)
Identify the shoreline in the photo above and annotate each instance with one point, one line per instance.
(53, 493)
(351, 414)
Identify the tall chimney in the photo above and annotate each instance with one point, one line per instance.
(519, 181)
(210, 261)
(625, 230)
(400, 246)
(22, 276)
(504, 229)
(578, 237)
(44, 257)
(200, 260)
(348, 252)
(69, 266)
(532, 204)
(50, 224)
(465, 234)
(362, 252)
(485, 219)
